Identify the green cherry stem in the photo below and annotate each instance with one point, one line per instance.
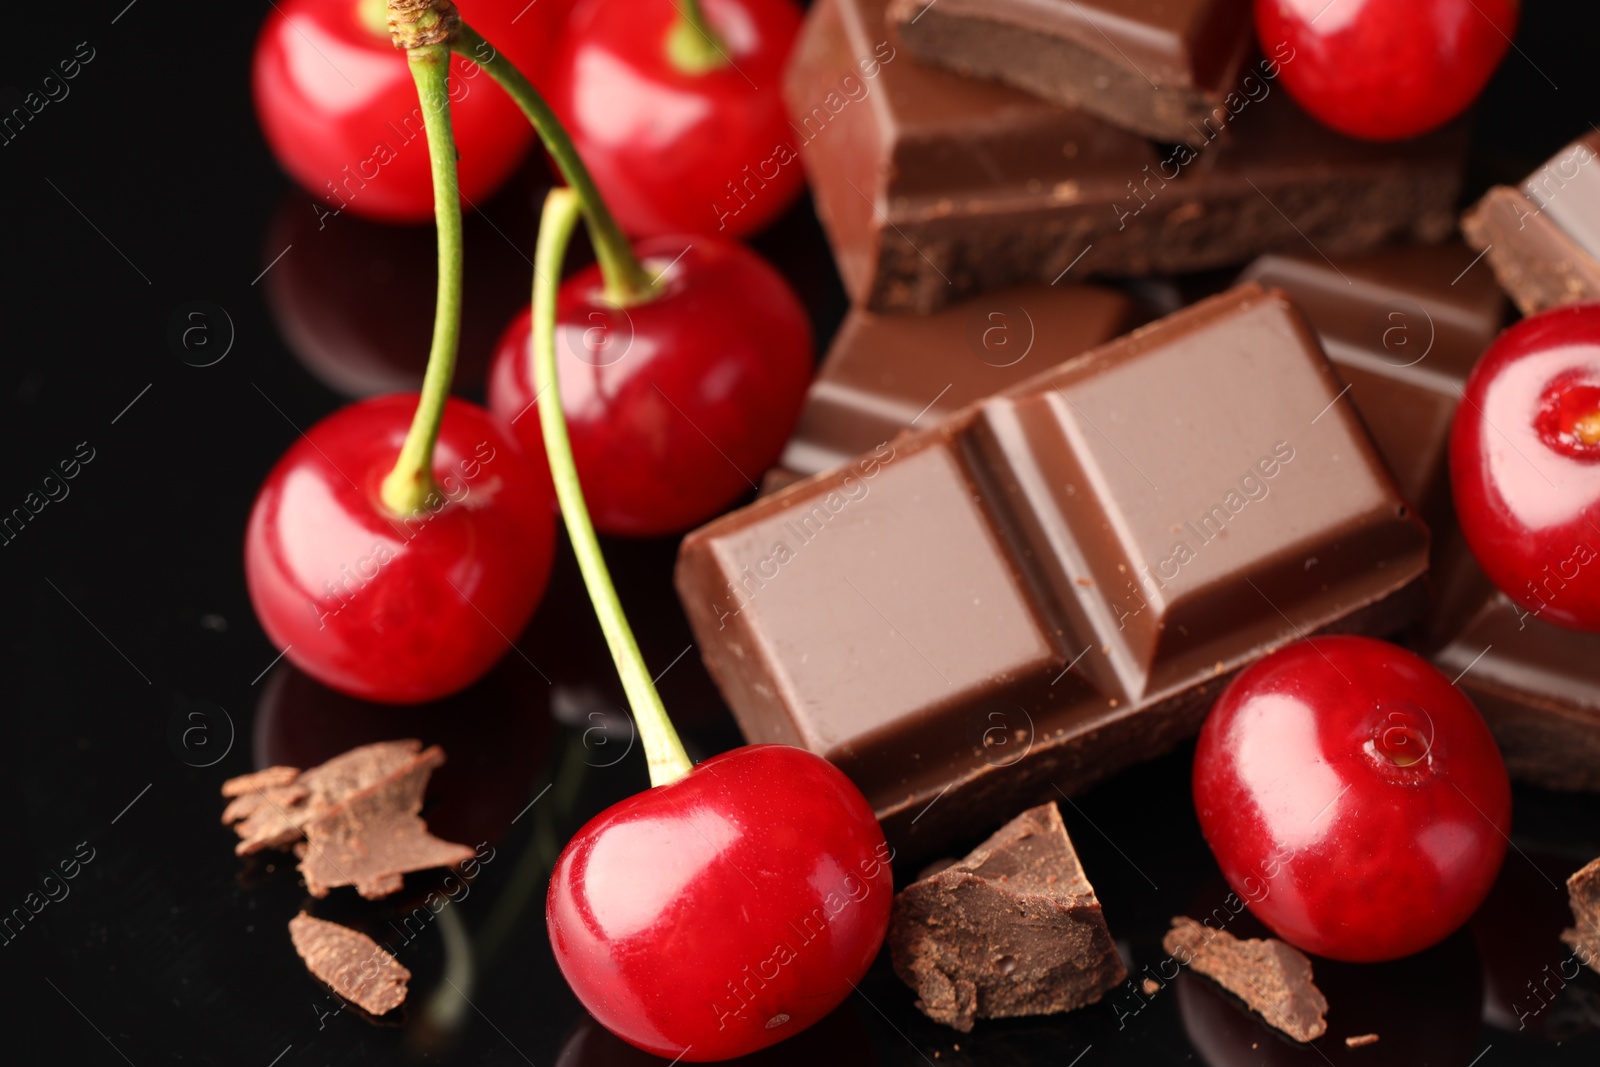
(692, 45)
(664, 752)
(410, 483)
(626, 281)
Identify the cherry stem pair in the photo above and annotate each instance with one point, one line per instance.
(429, 32)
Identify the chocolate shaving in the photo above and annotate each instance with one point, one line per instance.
(1013, 929)
(270, 808)
(1361, 1040)
(376, 835)
(351, 963)
(352, 820)
(1583, 893)
(1272, 978)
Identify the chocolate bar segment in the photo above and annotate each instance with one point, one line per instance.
(888, 372)
(1404, 327)
(1161, 68)
(1543, 238)
(1055, 583)
(932, 186)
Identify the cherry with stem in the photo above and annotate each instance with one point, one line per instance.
(687, 357)
(776, 861)
(395, 547)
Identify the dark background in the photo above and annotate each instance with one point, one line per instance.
(136, 678)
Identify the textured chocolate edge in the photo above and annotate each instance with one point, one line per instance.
(927, 262)
(1535, 261)
(933, 904)
(1300, 1009)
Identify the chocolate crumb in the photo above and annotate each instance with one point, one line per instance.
(376, 835)
(1361, 1040)
(1583, 893)
(270, 808)
(351, 963)
(996, 935)
(352, 820)
(1272, 978)
(1150, 986)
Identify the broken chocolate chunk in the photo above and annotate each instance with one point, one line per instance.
(351, 963)
(270, 808)
(376, 835)
(1013, 929)
(1583, 892)
(1271, 977)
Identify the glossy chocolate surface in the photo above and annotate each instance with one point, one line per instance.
(1157, 67)
(888, 372)
(1404, 327)
(1056, 582)
(932, 186)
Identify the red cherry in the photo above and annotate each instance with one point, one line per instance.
(1525, 465)
(676, 405)
(339, 109)
(1384, 70)
(675, 151)
(389, 609)
(727, 910)
(526, 32)
(1353, 798)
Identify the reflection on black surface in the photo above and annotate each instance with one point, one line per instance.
(496, 736)
(354, 299)
(840, 1039)
(1533, 983)
(1424, 1010)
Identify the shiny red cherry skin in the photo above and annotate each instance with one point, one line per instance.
(676, 406)
(1353, 798)
(724, 912)
(1385, 70)
(395, 610)
(339, 109)
(1525, 465)
(673, 151)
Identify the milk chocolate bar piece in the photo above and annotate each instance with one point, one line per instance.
(1543, 238)
(1056, 583)
(932, 186)
(1161, 68)
(1013, 929)
(889, 372)
(1404, 327)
